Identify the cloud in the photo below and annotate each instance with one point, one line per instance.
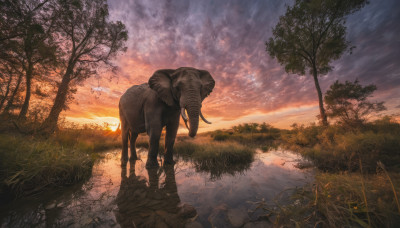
(227, 38)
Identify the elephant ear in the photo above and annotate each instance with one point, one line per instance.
(161, 83)
(208, 83)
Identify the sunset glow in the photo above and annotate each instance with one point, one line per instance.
(227, 38)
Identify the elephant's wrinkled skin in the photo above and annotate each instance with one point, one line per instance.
(150, 107)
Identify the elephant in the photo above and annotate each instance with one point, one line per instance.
(159, 103)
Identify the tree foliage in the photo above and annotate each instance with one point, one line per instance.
(58, 42)
(27, 47)
(310, 36)
(348, 103)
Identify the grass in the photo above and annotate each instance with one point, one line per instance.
(336, 149)
(216, 158)
(90, 138)
(266, 141)
(352, 187)
(341, 200)
(29, 165)
(354, 199)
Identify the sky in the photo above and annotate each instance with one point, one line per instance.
(227, 38)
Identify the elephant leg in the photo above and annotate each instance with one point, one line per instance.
(172, 129)
(154, 134)
(125, 136)
(133, 146)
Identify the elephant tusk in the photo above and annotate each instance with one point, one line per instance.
(184, 115)
(204, 119)
(187, 125)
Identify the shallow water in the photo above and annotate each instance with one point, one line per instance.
(171, 196)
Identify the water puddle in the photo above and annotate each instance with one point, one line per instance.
(172, 196)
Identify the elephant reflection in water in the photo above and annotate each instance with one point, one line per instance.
(142, 204)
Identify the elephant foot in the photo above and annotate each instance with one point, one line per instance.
(152, 164)
(169, 161)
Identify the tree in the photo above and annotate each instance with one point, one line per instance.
(26, 28)
(310, 35)
(348, 103)
(88, 40)
(9, 88)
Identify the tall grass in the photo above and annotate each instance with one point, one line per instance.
(334, 149)
(340, 200)
(29, 165)
(89, 138)
(216, 158)
(349, 200)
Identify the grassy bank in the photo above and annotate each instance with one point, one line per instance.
(263, 140)
(30, 164)
(345, 200)
(335, 148)
(216, 158)
(357, 183)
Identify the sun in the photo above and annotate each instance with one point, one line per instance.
(113, 126)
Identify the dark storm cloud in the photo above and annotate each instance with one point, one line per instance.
(228, 38)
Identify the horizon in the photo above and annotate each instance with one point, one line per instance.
(227, 38)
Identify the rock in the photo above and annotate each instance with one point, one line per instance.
(217, 217)
(194, 224)
(237, 217)
(259, 224)
(187, 211)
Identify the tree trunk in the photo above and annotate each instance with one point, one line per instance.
(50, 123)
(321, 103)
(6, 93)
(11, 100)
(25, 106)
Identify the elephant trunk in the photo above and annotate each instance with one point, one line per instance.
(193, 113)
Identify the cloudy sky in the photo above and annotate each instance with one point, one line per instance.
(227, 38)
